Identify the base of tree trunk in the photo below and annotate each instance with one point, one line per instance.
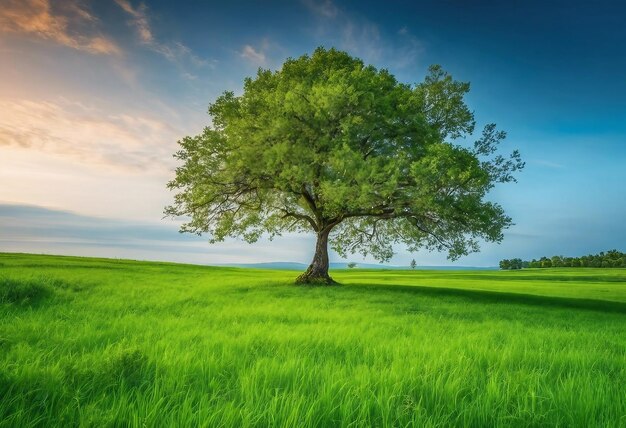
(311, 278)
(317, 272)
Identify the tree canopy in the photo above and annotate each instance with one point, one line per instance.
(331, 145)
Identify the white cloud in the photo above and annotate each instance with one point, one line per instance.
(68, 24)
(363, 38)
(325, 8)
(175, 52)
(264, 53)
(252, 55)
(140, 20)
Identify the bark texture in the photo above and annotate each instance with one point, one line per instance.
(317, 272)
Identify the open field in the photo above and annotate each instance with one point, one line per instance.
(100, 342)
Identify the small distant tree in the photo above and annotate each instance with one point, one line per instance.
(413, 264)
(351, 265)
(329, 145)
(505, 264)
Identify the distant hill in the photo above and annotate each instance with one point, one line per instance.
(302, 266)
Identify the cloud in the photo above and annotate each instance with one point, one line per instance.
(36, 229)
(175, 52)
(135, 142)
(68, 24)
(140, 20)
(264, 53)
(364, 38)
(252, 55)
(326, 8)
(102, 45)
(547, 163)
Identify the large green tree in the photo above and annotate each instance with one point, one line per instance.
(330, 145)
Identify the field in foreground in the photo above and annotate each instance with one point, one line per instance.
(99, 342)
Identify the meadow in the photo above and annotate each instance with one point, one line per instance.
(102, 342)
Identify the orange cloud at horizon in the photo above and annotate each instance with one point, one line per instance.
(71, 25)
(120, 141)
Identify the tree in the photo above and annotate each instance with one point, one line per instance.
(330, 145)
(413, 264)
(513, 264)
(351, 265)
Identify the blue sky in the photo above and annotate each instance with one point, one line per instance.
(95, 94)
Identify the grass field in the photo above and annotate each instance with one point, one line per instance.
(99, 342)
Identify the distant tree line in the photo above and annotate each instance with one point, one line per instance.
(609, 259)
(512, 264)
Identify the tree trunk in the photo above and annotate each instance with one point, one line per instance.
(317, 272)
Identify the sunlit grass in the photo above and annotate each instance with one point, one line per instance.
(117, 343)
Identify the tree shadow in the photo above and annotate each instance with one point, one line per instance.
(486, 296)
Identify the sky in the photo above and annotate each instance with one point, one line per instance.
(94, 96)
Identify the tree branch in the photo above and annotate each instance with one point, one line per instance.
(310, 202)
(298, 216)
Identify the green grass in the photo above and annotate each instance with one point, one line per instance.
(100, 342)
